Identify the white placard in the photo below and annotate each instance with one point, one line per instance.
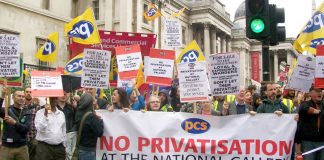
(160, 67)
(172, 33)
(319, 73)
(194, 92)
(225, 74)
(129, 62)
(96, 67)
(46, 83)
(146, 62)
(305, 67)
(9, 56)
(125, 83)
(192, 72)
(184, 136)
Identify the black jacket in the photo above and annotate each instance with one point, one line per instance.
(308, 127)
(69, 114)
(92, 127)
(16, 135)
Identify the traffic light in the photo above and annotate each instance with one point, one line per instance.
(257, 19)
(277, 33)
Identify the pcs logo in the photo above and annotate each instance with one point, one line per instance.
(75, 65)
(315, 23)
(190, 56)
(195, 125)
(82, 29)
(151, 12)
(315, 42)
(49, 47)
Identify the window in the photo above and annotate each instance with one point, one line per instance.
(145, 9)
(46, 4)
(183, 36)
(95, 5)
(39, 43)
(74, 9)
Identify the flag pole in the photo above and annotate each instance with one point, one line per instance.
(6, 100)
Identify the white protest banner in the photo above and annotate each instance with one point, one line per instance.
(129, 59)
(192, 72)
(225, 74)
(193, 82)
(9, 56)
(46, 84)
(185, 136)
(96, 67)
(319, 73)
(172, 33)
(305, 67)
(160, 67)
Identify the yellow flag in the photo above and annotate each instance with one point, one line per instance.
(312, 34)
(152, 13)
(74, 66)
(140, 79)
(191, 53)
(48, 52)
(178, 13)
(83, 28)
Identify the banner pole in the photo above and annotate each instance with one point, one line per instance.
(6, 100)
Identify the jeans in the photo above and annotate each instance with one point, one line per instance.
(309, 145)
(87, 155)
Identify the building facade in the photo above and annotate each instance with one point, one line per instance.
(205, 21)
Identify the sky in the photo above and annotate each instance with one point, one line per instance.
(297, 12)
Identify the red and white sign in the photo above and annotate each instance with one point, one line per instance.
(255, 60)
(319, 81)
(129, 59)
(185, 136)
(46, 84)
(160, 67)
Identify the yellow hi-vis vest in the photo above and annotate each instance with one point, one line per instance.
(230, 98)
(288, 103)
(215, 105)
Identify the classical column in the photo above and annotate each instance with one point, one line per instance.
(139, 15)
(109, 15)
(223, 43)
(214, 42)
(206, 40)
(228, 44)
(190, 33)
(125, 15)
(218, 44)
(198, 37)
(275, 64)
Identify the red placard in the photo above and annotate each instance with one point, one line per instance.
(319, 82)
(160, 54)
(46, 84)
(124, 50)
(111, 39)
(255, 59)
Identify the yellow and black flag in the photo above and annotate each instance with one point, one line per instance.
(312, 34)
(48, 52)
(152, 13)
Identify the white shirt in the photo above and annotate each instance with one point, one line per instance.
(50, 129)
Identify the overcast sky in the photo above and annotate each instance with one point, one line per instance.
(297, 12)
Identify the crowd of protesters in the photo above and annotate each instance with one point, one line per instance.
(53, 131)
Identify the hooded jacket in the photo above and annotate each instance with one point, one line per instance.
(268, 106)
(92, 127)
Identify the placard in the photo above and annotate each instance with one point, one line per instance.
(96, 66)
(9, 56)
(129, 59)
(225, 74)
(172, 33)
(305, 67)
(46, 84)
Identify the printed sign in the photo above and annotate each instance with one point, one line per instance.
(319, 73)
(46, 84)
(128, 83)
(172, 33)
(195, 137)
(193, 81)
(305, 68)
(159, 69)
(96, 66)
(225, 74)
(9, 56)
(129, 59)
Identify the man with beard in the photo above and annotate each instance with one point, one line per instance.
(272, 104)
(288, 100)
